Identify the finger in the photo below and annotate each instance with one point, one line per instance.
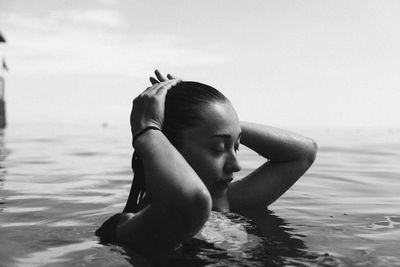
(167, 85)
(153, 80)
(159, 76)
(150, 90)
(175, 81)
(147, 89)
(154, 89)
(170, 76)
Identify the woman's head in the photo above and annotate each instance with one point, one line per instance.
(185, 104)
(202, 124)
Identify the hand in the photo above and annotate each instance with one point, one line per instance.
(160, 77)
(148, 107)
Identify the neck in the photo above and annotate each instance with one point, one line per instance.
(221, 204)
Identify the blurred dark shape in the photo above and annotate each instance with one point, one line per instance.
(2, 114)
(2, 39)
(4, 64)
(2, 105)
(2, 102)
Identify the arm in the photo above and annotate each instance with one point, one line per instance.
(289, 156)
(180, 201)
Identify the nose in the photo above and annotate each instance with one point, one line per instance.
(232, 164)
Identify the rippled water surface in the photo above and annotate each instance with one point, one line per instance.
(58, 183)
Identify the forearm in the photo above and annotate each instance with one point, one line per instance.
(277, 145)
(169, 177)
(180, 202)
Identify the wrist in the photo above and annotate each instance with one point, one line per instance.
(137, 136)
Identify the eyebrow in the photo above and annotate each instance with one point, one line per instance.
(224, 136)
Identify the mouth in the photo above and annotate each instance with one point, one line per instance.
(225, 181)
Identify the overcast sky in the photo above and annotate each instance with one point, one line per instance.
(285, 63)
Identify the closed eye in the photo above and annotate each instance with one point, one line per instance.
(224, 143)
(218, 148)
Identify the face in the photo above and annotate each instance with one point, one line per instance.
(211, 147)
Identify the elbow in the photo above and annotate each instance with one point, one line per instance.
(200, 205)
(195, 209)
(311, 151)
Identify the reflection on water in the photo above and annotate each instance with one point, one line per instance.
(57, 184)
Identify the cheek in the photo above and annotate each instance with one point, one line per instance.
(206, 166)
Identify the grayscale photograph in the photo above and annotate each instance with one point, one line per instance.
(199, 133)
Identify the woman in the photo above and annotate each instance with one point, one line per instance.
(186, 136)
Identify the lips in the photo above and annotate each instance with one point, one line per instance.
(225, 181)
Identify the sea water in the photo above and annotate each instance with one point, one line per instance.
(58, 183)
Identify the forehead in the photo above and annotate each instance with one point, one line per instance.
(218, 118)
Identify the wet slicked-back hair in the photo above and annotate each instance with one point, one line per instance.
(183, 110)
